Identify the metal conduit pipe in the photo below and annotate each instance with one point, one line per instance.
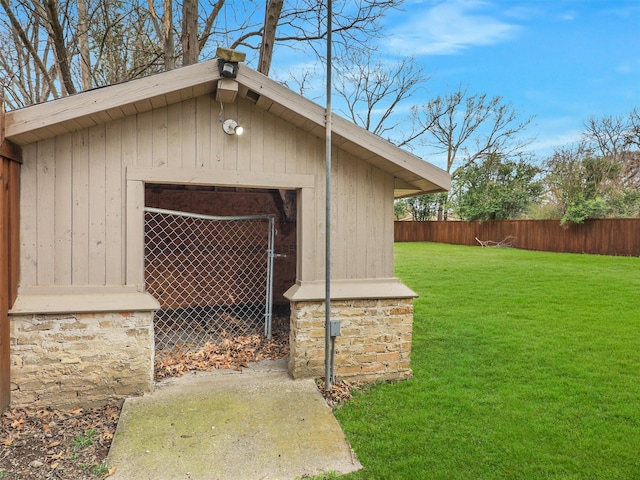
(328, 357)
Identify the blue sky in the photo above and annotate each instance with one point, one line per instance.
(560, 60)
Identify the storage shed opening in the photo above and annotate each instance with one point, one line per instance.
(215, 268)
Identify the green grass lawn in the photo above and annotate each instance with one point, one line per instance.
(526, 366)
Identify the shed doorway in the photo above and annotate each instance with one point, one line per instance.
(223, 287)
(213, 276)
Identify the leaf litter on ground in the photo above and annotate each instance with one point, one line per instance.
(43, 443)
(47, 443)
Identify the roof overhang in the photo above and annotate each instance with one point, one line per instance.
(413, 176)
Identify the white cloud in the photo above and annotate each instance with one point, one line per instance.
(569, 15)
(448, 28)
(555, 133)
(624, 68)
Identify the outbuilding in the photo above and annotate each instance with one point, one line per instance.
(94, 167)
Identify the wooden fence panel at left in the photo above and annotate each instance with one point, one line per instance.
(5, 359)
(10, 156)
(9, 171)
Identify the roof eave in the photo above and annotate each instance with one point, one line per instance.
(347, 135)
(92, 107)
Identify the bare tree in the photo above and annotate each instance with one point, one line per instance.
(302, 23)
(372, 90)
(63, 46)
(608, 135)
(465, 128)
(83, 42)
(468, 127)
(274, 10)
(164, 30)
(599, 177)
(633, 137)
(190, 41)
(24, 63)
(57, 31)
(632, 142)
(617, 139)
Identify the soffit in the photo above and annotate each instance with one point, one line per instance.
(38, 122)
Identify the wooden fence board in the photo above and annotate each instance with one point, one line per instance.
(5, 359)
(607, 236)
(10, 158)
(9, 181)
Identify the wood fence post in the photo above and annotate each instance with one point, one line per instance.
(5, 357)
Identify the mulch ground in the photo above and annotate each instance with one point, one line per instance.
(46, 444)
(56, 444)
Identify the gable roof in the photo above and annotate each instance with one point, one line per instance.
(413, 175)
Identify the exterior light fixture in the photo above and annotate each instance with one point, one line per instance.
(231, 127)
(228, 61)
(228, 69)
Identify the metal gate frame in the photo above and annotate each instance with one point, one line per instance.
(270, 251)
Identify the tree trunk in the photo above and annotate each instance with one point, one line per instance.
(57, 36)
(190, 45)
(83, 41)
(169, 48)
(274, 9)
(28, 45)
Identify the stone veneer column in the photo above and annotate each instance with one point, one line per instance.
(375, 341)
(80, 358)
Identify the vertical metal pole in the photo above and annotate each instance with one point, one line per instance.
(327, 269)
(270, 256)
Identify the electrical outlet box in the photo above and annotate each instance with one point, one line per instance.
(334, 328)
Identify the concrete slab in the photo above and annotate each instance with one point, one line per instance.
(249, 425)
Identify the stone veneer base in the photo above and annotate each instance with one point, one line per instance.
(375, 340)
(88, 359)
(80, 358)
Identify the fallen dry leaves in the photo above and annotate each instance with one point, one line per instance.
(230, 353)
(48, 444)
(45, 444)
(339, 392)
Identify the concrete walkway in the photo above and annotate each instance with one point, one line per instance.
(257, 424)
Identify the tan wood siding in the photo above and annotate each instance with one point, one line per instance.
(80, 208)
(203, 134)
(97, 206)
(78, 203)
(45, 211)
(114, 207)
(28, 217)
(63, 224)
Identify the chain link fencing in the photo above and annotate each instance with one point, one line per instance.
(213, 276)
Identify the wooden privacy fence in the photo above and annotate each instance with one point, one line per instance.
(10, 157)
(607, 236)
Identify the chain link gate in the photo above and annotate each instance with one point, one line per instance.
(213, 276)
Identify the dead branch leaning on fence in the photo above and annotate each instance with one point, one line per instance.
(506, 243)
